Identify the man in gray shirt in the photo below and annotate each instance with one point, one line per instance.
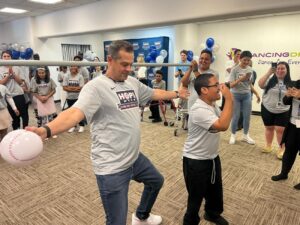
(111, 105)
(201, 162)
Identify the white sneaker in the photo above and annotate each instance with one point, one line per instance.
(151, 220)
(71, 130)
(81, 129)
(54, 136)
(232, 139)
(248, 139)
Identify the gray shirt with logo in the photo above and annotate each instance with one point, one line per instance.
(43, 88)
(202, 142)
(272, 100)
(112, 109)
(12, 85)
(73, 81)
(243, 87)
(159, 85)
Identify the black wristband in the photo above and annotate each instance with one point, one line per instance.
(177, 94)
(48, 131)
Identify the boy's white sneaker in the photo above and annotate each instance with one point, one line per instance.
(151, 220)
(71, 130)
(248, 139)
(232, 139)
(81, 129)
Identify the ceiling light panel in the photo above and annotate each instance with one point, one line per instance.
(12, 10)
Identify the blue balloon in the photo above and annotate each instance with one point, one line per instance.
(28, 52)
(15, 54)
(189, 58)
(190, 53)
(152, 47)
(23, 55)
(153, 54)
(210, 42)
(148, 58)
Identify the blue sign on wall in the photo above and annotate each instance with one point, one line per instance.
(150, 48)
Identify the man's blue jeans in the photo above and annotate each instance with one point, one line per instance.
(114, 190)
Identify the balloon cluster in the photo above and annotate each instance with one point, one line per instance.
(89, 55)
(211, 46)
(17, 51)
(154, 56)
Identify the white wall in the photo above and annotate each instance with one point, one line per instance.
(270, 34)
(50, 49)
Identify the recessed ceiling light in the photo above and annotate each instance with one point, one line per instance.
(47, 1)
(12, 10)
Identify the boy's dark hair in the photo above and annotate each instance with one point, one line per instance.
(236, 51)
(202, 81)
(7, 52)
(246, 54)
(274, 80)
(77, 57)
(159, 72)
(207, 52)
(184, 52)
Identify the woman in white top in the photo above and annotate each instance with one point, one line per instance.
(275, 114)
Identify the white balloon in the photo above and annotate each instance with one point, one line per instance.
(159, 59)
(202, 46)
(21, 147)
(216, 48)
(163, 53)
(93, 56)
(22, 48)
(142, 72)
(196, 58)
(87, 54)
(16, 46)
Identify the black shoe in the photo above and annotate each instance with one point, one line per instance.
(156, 120)
(279, 177)
(151, 117)
(297, 186)
(220, 220)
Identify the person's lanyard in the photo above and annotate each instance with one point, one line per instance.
(280, 87)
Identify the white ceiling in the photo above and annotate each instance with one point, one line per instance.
(36, 9)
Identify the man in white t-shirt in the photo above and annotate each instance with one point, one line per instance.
(201, 161)
(110, 104)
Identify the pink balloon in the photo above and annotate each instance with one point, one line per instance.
(21, 147)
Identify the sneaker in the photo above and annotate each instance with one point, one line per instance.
(81, 129)
(151, 117)
(280, 153)
(54, 136)
(71, 130)
(297, 186)
(232, 139)
(267, 149)
(151, 220)
(248, 139)
(279, 177)
(157, 120)
(220, 220)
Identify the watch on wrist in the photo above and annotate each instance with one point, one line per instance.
(48, 131)
(177, 94)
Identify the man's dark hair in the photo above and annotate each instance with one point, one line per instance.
(246, 54)
(202, 81)
(77, 57)
(236, 51)
(116, 46)
(207, 52)
(184, 52)
(159, 72)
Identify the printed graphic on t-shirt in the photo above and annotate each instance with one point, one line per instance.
(128, 99)
(74, 83)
